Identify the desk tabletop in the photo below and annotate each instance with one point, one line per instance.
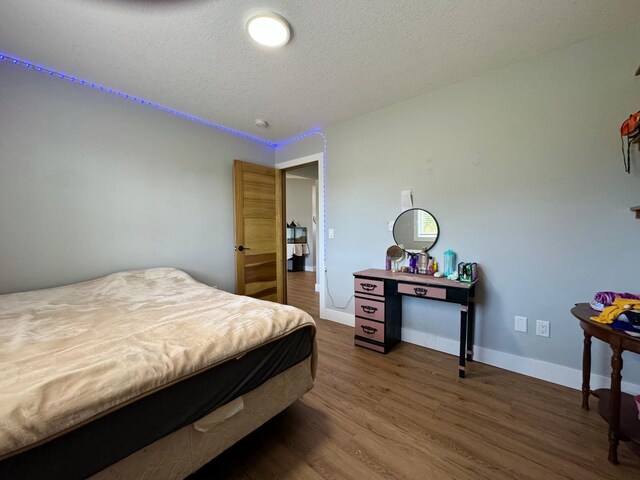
(413, 278)
(584, 312)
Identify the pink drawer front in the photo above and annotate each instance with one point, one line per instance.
(422, 291)
(370, 346)
(372, 287)
(370, 309)
(371, 330)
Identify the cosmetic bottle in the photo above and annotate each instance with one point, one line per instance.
(423, 263)
(413, 262)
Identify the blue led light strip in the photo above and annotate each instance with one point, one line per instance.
(324, 187)
(298, 137)
(324, 214)
(85, 83)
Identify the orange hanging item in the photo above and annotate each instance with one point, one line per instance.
(630, 126)
(630, 129)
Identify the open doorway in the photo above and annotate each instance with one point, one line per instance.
(302, 236)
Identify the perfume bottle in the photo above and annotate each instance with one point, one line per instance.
(413, 262)
(423, 262)
(430, 270)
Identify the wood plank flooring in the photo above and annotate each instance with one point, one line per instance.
(301, 292)
(407, 415)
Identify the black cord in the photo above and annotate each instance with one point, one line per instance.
(624, 155)
(628, 154)
(333, 304)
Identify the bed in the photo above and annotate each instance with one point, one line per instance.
(143, 374)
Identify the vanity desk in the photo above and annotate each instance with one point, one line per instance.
(378, 307)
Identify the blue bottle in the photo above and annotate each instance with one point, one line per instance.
(449, 262)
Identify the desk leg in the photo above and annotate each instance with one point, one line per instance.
(586, 370)
(614, 407)
(463, 341)
(471, 321)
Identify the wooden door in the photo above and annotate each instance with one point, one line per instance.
(259, 231)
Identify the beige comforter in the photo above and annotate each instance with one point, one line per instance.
(73, 353)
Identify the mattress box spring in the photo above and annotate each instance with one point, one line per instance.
(96, 445)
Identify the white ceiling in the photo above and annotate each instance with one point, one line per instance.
(345, 58)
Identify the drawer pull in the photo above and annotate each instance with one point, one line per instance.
(421, 292)
(368, 309)
(368, 287)
(368, 330)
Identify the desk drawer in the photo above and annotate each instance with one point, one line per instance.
(370, 346)
(370, 309)
(422, 291)
(365, 285)
(371, 330)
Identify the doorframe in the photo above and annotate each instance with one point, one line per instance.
(296, 162)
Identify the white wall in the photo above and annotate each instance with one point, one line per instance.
(91, 184)
(522, 168)
(309, 145)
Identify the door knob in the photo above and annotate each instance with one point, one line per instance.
(240, 248)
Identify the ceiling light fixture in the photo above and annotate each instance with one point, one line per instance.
(268, 29)
(261, 123)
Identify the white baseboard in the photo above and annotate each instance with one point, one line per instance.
(337, 316)
(550, 372)
(310, 269)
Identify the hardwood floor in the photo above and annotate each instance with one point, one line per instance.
(301, 292)
(407, 415)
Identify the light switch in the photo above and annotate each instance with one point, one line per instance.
(331, 233)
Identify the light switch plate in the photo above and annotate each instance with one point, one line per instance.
(521, 324)
(331, 235)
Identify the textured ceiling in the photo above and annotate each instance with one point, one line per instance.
(345, 58)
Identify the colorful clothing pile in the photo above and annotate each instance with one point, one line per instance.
(601, 300)
(618, 307)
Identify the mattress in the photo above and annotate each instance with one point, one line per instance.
(75, 354)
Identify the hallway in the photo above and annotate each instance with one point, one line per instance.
(301, 292)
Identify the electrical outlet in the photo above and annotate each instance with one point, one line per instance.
(542, 328)
(521, 324)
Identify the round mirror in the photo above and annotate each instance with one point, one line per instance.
(395, 253)
(416, 230)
